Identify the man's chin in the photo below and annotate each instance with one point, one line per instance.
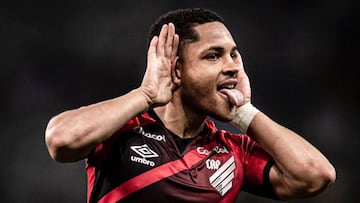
(225, 117)
(223, 113)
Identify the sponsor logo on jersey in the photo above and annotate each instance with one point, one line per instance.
(222, 179)
(145, 152)
(217, 149)
(140, 130)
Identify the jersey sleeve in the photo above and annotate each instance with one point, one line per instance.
(257, 169)
(102, 150)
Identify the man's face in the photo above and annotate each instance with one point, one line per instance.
(209, 72)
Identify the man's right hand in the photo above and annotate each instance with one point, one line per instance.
(161, 58)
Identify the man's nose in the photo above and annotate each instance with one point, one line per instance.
(231, 68)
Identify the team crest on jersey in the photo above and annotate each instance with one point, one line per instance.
(222, 179)
(145, 152)
(212, 164)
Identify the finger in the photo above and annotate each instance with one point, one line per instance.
(162, 40)
(152, 46)
(244, 86)
(169, 40)
(175, 46)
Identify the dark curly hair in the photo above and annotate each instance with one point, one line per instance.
(184, 21)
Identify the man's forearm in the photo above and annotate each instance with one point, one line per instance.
(72, 134)
(304, 170)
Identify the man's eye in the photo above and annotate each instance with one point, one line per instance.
(212, 56)
(233, 55)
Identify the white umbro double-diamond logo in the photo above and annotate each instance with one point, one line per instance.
(144, 151)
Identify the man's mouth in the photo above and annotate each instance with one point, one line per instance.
(226, 86)
(228, 91)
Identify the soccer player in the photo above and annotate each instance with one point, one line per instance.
(155, 143)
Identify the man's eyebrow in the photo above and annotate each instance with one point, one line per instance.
(216, 48)
(221, 49)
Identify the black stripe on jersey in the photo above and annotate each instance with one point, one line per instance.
(265, 190)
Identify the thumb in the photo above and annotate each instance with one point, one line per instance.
(244, 86)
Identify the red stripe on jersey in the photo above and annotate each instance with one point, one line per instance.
(152, 176)
(91, 180)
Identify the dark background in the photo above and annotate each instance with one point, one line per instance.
(301, 56)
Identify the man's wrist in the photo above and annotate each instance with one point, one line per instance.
(244, 115)
(146, 99)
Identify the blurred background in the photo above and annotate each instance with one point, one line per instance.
(301, 57)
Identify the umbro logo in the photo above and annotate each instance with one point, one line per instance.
(145, 152)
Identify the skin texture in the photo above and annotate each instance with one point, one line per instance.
(183, 93)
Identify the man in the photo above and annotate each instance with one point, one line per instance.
(154, 144)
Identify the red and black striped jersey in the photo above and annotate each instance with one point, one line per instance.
(142, 163)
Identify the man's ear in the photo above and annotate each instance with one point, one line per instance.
(176, 73)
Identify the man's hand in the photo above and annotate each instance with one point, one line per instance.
(157, 84)
(73, 134)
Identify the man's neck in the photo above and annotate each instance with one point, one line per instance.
(185, 124)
